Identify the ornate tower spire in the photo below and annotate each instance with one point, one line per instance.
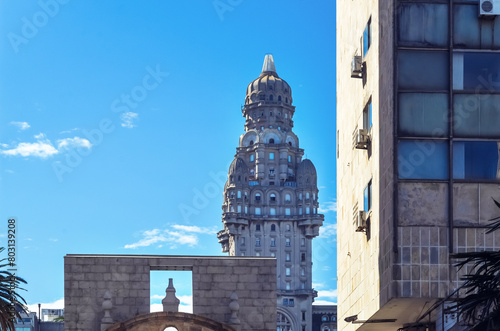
(268, 64)
(270, 203)
(170, 302)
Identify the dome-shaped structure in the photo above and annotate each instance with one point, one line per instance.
(269, 87)
(237, 174)
(306, 173)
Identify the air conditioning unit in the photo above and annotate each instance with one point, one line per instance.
(361, 221)
(489, 7)
(357, 67)
(362, 139)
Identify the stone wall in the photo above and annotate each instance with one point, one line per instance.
(126, 277)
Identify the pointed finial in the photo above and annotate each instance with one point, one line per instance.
(234, 306)
(107, 305)
(170, 302)
(268, 64)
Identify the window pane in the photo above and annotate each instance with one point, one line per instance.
(423, 25)
(423, 114)
(476, 160)
(476, 115)
(470, 31)
(367, 197)
(466, 31)
(423, 70)
(423, 160)
(367, 37)
(367, 116)
(476, 71)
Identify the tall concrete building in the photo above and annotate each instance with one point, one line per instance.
(418, 117)
(271, 197)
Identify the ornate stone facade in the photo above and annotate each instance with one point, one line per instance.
(270, 203)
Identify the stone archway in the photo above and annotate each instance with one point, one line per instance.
(162, 320)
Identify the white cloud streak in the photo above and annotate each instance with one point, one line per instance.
(328, 206)
(327, 294)
(20, 125)
(69, 143)
(194, 228)
(178, 234)
(328, 231)
(43, 147)
(128, 119)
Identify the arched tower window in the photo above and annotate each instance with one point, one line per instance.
(273, 227)
(272, 197)
(288, 198)
(279, 97)
(283, 323)
(271, 141)
(271, 97)
(251, 142)
(257, 197)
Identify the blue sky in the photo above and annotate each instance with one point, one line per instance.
(119, 119)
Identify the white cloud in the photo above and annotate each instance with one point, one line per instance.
(176, 235)
(128, 119)
(69, 131)
(328, 230)
(165, 236)
(324, 302)
(58, 304)
(328, 206)
(42, 148)
(21, 125)
(194, 228)
(9, 171)
(318, 285)
(68, 143)
(327, 294)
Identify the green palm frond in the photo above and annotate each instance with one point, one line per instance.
(9, 287)
(479, 300)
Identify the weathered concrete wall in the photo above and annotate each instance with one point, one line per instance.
(161, 321)
(126, 277)
(364, 262)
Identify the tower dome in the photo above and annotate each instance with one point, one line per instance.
(306, 174)
(269, 87)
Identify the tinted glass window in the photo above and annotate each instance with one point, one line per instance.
(367, 116)
(475, 160)
(367, 37)
(419, 70)
(470, 31)
(423, 24)
(423, 114)
(367, 197)
(476, 115)
(476, 71)
(423, 159)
